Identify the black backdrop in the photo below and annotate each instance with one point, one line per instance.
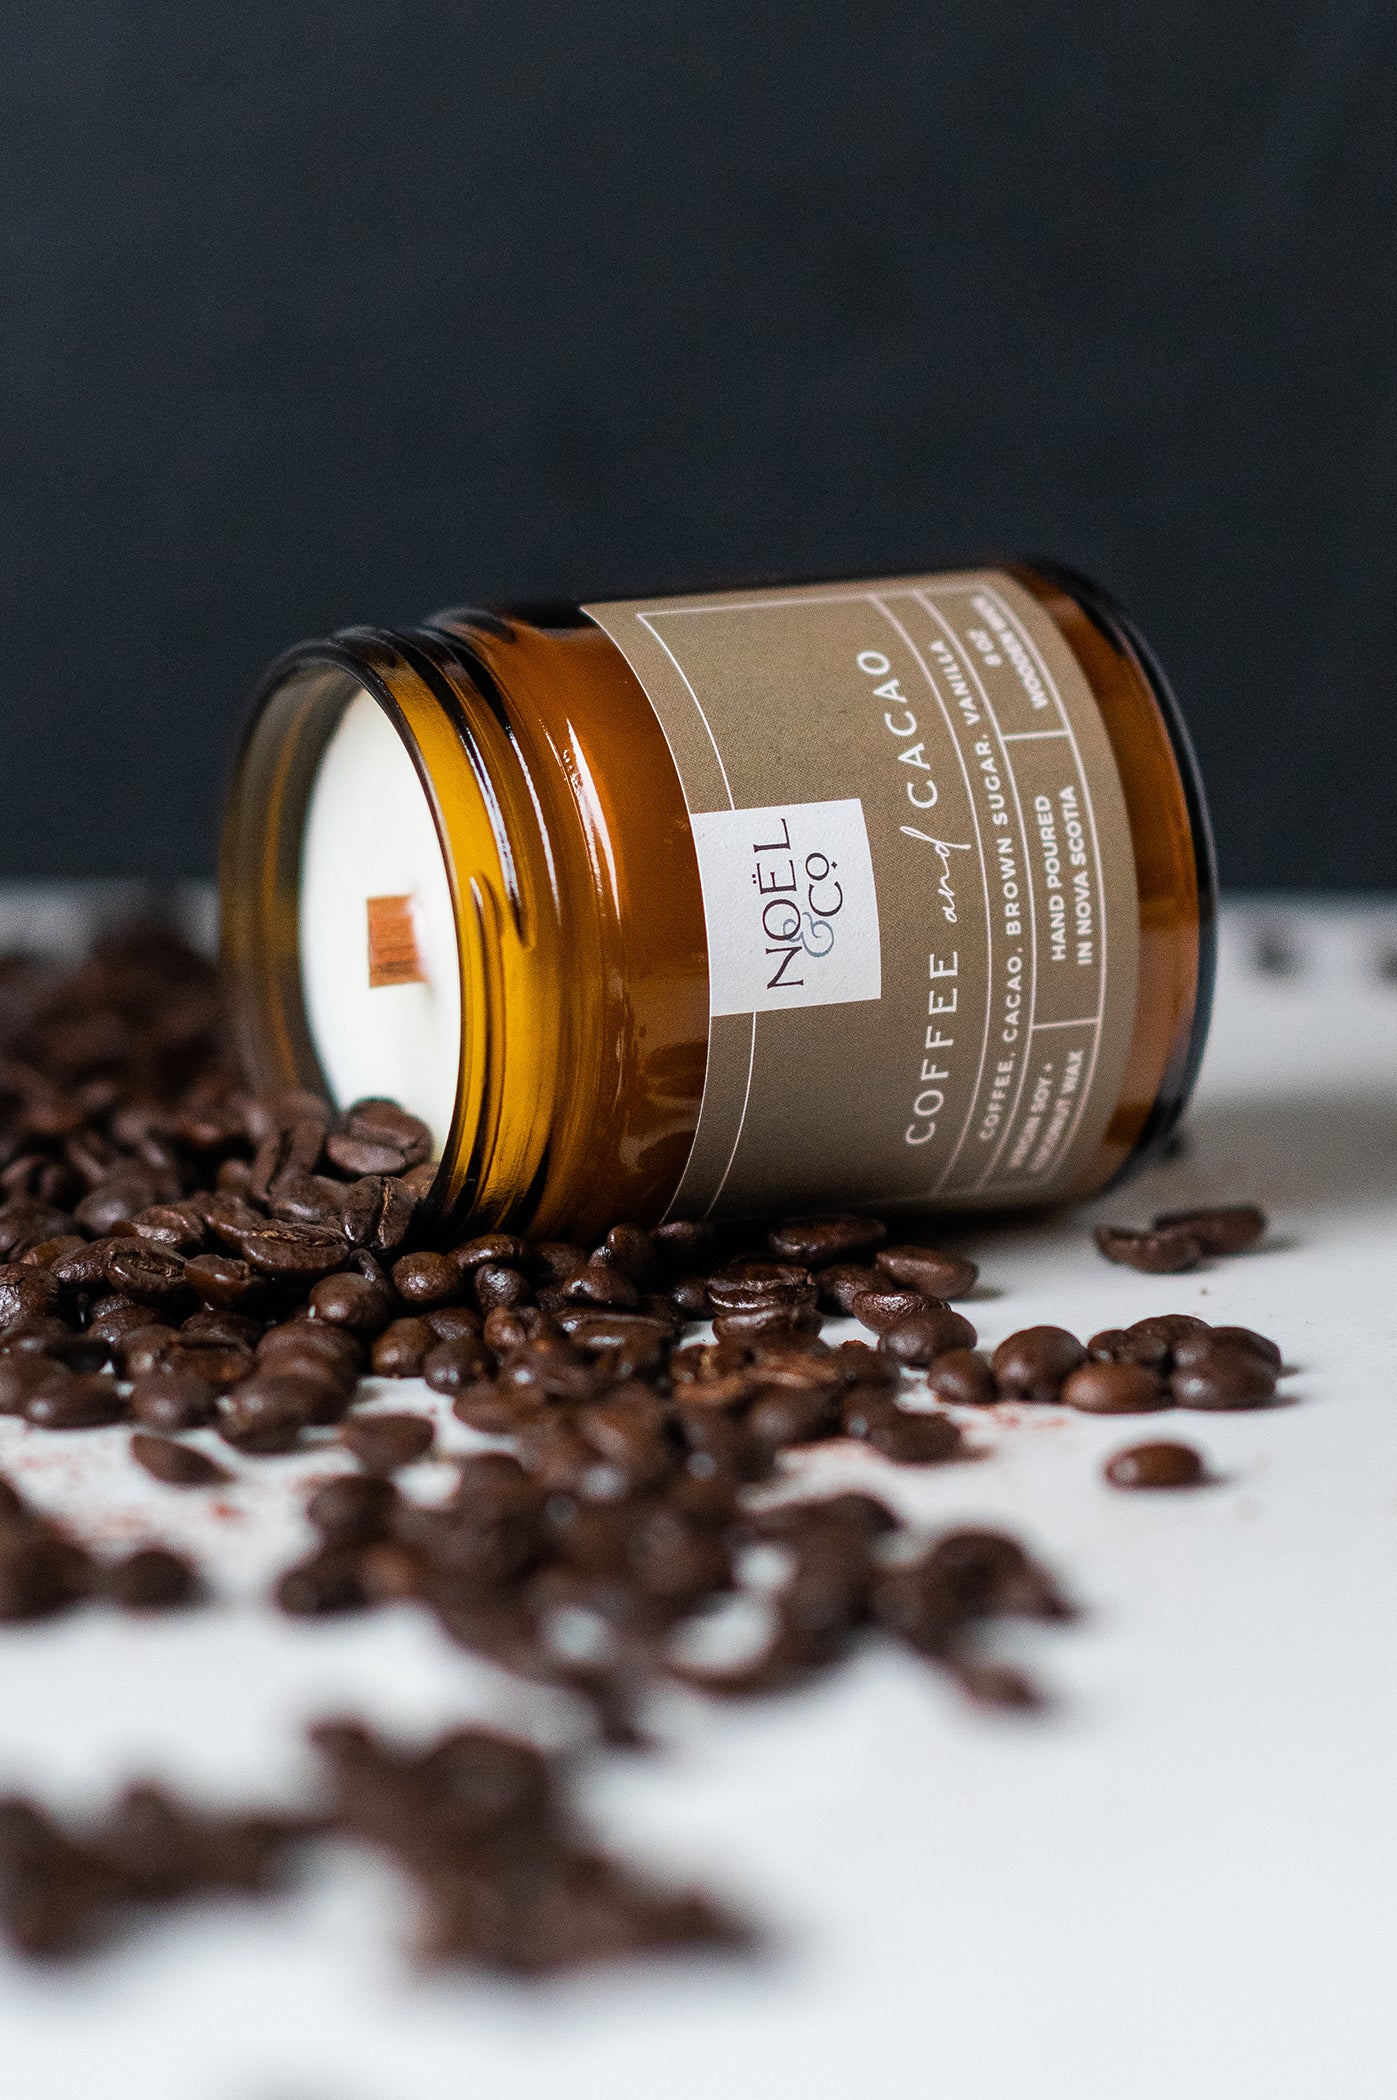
(331, 310)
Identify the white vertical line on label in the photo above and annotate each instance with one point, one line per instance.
(647, 620)
(1084, 1093)
(741, 1121)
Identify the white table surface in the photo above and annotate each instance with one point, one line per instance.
(1180, 1881)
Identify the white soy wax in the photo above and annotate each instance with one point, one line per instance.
(369, 835)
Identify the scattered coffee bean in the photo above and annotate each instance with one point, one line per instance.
(1167, 1252)
(178, 1465)
(171, 1400)
(1226, 1228)
(925, 1269)
(1126, 1345)
(401, 1349)
(814, 1243)
(1115, 1389)
(919, 1337)
(962, 1378)
(152, 1579)
(1156, 1466)
(1032, 1364)
(74, 1400)
(384, 1443)
(887, 1304)
(1221, 1377)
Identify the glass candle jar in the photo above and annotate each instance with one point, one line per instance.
(894, 895)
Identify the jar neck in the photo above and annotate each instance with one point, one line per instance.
(493, 827)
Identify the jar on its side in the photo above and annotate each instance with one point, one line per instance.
(893, 894)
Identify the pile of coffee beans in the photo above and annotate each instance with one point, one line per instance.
(481, 1826)
(178, 1254)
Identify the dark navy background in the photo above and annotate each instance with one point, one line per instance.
(330, 310)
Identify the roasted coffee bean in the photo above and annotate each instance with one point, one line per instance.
(688, 1297)
(24, 1224)
(1032, 1364)
(549, 1370)
(1123, 1345)
(1156, 1466)
(74, 1400)
(353, 1301)
(401, 1349)
(883, 1306)
(451, 1365)
(306, 1199)
(927, 1270)
(497, 1284)
(145, 1349)
(41, 1572)
(786, 1321)
(913, 1438)
(506, 1327)
(553, 1259)
(111, 1320)
(84, 1268)
(1115, 1389)
(49, 1251)
(750, 1284)
(26, 1293)
(172, 1400)
(152, 1579)
(218, 1364)
(384, 1443)
(840, 1284)
(378, 1212)
(1224, 1228)
(1161, 1253)
(684, 1243)
(177, 1465)
(223, 1281)
(784, 1415)
(168, 1226)
(919, 1337)
(425, 1280)
(1191, 1349)
(295, 1253)
(1169, 1328)
(228, 1330)
(357, 1156)
(862, 1406)
(632, 1343)
(599, 1286)
(377, 1117)
(266, 1413)
(499, 1250)
(315, 1342)
(352, 1509)
(627, 1430)
(20, 1373)
(632, 1250)
(962, 1378)
(493, 1409)
(456, 1323)
(817, 1242)
(45, 1335)
(123, 1196)
(1223, 1377)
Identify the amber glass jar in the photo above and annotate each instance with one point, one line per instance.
(548, 968)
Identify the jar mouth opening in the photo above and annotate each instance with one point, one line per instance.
(343, 929)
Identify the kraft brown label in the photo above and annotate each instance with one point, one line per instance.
(919, 888)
